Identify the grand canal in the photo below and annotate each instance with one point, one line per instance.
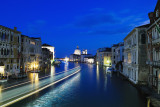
(91, 87)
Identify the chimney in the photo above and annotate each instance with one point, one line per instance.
(151, 17)
(15, 28)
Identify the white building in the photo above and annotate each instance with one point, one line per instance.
(89, 60)
(76, 57)
(134, 66)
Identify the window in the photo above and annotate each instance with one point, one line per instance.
(143, 38)
(11, 37)
(18, 39)
(157, 13)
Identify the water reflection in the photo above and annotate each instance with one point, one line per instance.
(0, 91)
(52, 71)
(66, 66)
(34, 78)
(97, 72)
(58, 94)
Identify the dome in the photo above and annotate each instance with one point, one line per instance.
(77, 51)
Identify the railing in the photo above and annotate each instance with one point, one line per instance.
(127, 47)
(153, 63)
(155, 41)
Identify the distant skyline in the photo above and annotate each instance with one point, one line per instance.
(66, 24)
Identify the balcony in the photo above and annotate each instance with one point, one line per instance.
(149, 63)
(127, 47)
(156, 63)
(153, 63)
(134, 45)
(156, 41)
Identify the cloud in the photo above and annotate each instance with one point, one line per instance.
(94, 19)
(145, 22)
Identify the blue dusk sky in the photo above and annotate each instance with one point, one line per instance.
(90, 24)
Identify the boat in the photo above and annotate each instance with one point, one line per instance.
(56, 63)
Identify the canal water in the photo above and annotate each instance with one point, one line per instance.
(91, 87)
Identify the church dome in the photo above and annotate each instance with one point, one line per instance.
(77, 51)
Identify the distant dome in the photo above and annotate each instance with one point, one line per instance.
(77, 51)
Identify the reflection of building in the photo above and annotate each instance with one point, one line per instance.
(47, 55)
(31, 52)
(153, 49)
(10, 47)
(134, 65)
(118, 56)
(104, 56)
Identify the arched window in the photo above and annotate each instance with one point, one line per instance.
(143, 38)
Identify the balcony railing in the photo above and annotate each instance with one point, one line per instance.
(156, 41)
(127, 47)
(153, 63)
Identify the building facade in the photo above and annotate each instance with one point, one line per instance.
(134, 66)
(114, 55)
(47, 55)
(103, 57)
(76, 57)
(10, 48)
(153, 49)
(31, 53)
(118, 56)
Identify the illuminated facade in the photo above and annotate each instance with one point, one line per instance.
(104, 56)
(77, 51)
(89, 60)
(31, 52)
(134, 66)
(10, 47)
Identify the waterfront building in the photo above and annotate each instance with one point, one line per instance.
(113, 48)
(10, 48)
(76, 57)
(134, 66)
(85, 55)
(103, 57)
(119, 56)
(89, 59)
(51, 49)
(31, 53)
(47, 56)
(153, 49)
